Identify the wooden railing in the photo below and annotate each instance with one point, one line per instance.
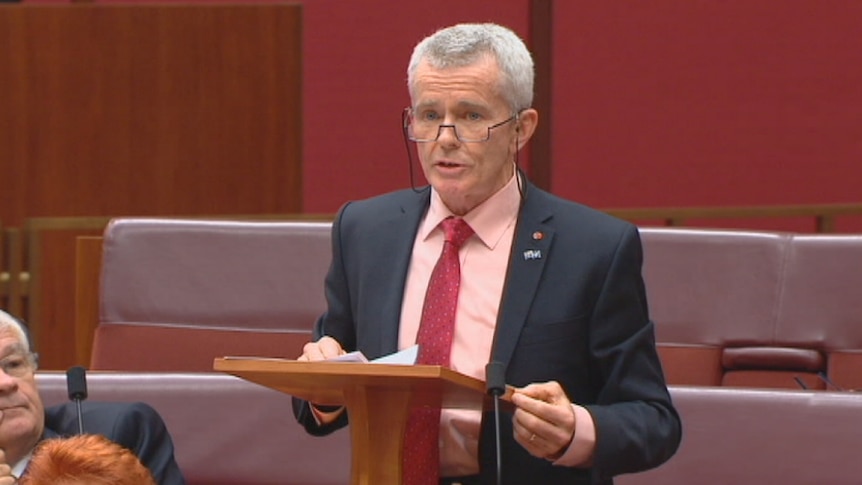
(824, 215)
(37, 261)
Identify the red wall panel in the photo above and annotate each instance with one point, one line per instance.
(688, 103)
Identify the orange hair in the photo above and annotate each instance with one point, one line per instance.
(85, 459)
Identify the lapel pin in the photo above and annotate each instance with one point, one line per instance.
(532, 254)
(538, 235)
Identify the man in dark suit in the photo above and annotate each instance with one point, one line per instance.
(549, 288)
(24, 421)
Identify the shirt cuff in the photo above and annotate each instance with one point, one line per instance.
(580, 451)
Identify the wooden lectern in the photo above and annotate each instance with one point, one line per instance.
(378, 398)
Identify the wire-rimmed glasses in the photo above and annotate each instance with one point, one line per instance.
(422, 130)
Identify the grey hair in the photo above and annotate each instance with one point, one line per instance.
(464, 44)
(12, 324)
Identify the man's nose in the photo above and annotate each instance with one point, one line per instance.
(7, 382)
(448, 135)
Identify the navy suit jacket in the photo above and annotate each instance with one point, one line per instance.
(136, 426)
(573, 310)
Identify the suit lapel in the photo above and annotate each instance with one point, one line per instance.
(401, 228)
(533, 237)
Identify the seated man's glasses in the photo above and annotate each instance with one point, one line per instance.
(427, 127)
(19, 365)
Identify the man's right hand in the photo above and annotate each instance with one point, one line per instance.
(325, 348)
(6, 477)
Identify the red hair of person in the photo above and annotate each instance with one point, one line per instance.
(85, 459)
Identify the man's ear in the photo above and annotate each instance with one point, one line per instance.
(528, 119)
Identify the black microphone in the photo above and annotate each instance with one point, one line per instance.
(495, 385)
(76, 383)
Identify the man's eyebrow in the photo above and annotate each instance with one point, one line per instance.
(426, 104)
(461, 105)
(472, 106)
(11, 350)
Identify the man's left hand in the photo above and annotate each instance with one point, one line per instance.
(544, 421)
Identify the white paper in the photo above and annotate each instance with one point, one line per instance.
(404, 357)
(355, 356)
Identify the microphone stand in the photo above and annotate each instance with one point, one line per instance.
(80, 417)
(495, 382)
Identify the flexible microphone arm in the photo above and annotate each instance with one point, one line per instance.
(495, 384)
(823, 377)
(76, 383)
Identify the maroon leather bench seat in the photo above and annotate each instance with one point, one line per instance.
(821, 303)
(755, 308)
(710, 292)
(176, 293)
(742, 436)
(226, 431)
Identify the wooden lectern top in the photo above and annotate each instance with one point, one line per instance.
(327, 382)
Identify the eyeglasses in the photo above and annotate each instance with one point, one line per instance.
(422, 129)
(19, 365)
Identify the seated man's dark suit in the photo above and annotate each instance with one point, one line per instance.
(136, 426)
(573, 310)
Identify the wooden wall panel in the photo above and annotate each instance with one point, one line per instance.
(132, 109)
(143, 110)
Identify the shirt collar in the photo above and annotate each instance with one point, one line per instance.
(19, 467)
(489, 220)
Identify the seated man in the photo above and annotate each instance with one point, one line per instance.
(24, 421)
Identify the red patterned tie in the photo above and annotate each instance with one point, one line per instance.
(421, 464)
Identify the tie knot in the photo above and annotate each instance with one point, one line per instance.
(456, 230)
